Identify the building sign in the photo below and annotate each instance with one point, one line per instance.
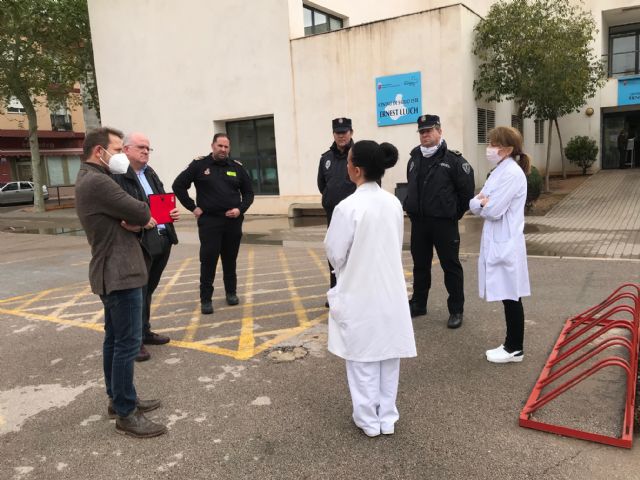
(398, 99)
(628, 90)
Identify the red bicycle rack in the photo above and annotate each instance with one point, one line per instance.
(578, 333)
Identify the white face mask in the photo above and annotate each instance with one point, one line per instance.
(429, 151)
(493, 157)
(118, 163)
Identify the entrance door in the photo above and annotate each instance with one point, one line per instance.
(617, 130)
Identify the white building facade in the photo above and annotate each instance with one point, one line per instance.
(274, 73)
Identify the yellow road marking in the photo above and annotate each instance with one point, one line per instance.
(322, 265)
(194, 324)
(298, 308)
(71, 301)
(48, 318)
(166, 289)
(247, 341)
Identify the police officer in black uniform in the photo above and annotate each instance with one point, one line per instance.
(333, 180)
(440, 185)
(223, 195)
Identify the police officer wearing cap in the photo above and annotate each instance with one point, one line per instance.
(223, 195)
(440, 185)
(333, 179)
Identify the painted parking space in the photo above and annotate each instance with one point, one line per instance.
(282, 293)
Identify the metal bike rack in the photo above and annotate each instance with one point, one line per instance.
(575, 341)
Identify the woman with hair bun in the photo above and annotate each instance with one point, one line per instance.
(502, 265)
(369, 319)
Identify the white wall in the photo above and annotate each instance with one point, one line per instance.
(335, 76)
(171, 69)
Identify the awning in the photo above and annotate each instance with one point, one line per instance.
(43, 152)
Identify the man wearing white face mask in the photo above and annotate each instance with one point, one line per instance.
(439, 186)
(117, 273)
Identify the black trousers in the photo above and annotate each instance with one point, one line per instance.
(219, 237)
(158, 262)
(514, 317)
(441, 233)
(332, 277)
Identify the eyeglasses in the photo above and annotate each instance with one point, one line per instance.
(143, 147)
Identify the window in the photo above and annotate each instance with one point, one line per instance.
(253, 142)
(316, 21)
(486, 122)
(623, 49)
(61, 120)
(15, 106)
(539, 134)
(516, 122)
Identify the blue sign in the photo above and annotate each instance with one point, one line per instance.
(628, 90)
(398, 99)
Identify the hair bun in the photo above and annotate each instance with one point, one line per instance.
(389, 153)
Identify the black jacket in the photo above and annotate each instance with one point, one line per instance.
(130, 184)
(220, 186)
(440, 186)
(333, 179)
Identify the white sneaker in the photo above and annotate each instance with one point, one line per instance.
(500, 355)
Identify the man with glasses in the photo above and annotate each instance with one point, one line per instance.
(440, 185)
(333, 180)
(140, 181)
(223, 194)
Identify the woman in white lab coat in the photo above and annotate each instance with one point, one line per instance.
(502, 266)
(369, 319)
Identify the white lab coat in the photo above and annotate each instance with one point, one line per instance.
(502, 266)
(369, 318)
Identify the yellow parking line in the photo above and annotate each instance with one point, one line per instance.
(321, 264)
(47, 318)
(71, 301)
(298, 308)
(247, 341)
(194, 324)
(166, 289)
(204, 348)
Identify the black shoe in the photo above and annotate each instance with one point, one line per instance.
(232, 299)
(206, 308)
(139, 426)
(141, 405)
(152, 338)
(455, 320)
(326, 304)
(417, 309)
(143, 354)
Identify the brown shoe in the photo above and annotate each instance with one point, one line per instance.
(137, 425)
(142, 406)
(143, 354)
(153, 338)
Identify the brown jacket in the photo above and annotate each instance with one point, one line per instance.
(117, 261)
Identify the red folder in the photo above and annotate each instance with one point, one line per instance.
(161, 204)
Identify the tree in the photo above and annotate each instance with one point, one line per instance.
(537, 53)
(45, 49)
(582, 151)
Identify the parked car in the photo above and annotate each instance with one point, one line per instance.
(19, 192)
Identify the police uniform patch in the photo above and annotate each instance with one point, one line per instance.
(467, 168)
(446, 165)
(207, 171)
(238, 162)
(327, 164)
(231, 173)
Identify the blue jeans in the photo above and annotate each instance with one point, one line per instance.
(122, 337)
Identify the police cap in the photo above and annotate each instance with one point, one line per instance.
(428, 121)
(341, 124)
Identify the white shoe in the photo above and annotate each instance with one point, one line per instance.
(500, 355)
(387, 431)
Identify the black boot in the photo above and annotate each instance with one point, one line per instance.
(455, 320)
(137, 425)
